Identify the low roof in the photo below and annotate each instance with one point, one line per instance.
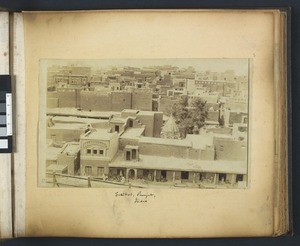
(71, 148)
(80, 113)
(52, 152)
(56, 168)
(130, 111)
(147, 112)
(131, 146)
(99, 134)
(166, 141)
(133, 133)
(181, 164)
(69, 126)
(73, 119)
(118, 120)
(200, 141)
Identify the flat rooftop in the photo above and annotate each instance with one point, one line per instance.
(147, 112)
(73, 119)
(99, 134)
(166, 141)
(80, 113)
(180, 164)
(69, 126)
(56, 168)
(200, 141)
(118, 120)
(133, 133)
(52, 153)
(131, 146)
(71, 149)
(132, 111)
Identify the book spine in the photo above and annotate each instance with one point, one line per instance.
(20, 125)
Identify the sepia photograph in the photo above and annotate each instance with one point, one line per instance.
(144, 123)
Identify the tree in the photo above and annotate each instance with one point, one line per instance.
(188, 116)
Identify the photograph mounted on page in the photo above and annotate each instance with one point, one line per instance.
(145, 123)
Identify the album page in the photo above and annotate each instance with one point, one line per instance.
(150, 123)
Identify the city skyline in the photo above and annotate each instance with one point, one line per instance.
(239, 65)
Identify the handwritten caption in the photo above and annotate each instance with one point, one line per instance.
(138, 197)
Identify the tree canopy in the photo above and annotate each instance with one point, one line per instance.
(190, 115)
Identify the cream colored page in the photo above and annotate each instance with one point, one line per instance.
(5, 158)
(155, 34)
(19, 155)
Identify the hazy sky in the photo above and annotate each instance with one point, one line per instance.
(240, 66)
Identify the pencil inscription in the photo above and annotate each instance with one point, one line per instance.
(138, 197)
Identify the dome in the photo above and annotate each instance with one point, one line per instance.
(170, 129)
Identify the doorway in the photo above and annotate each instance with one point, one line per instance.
(239, 177)
(184, 175)
(222, 177)
(131, 174)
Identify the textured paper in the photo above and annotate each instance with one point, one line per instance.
(20, 129)
(155, 34)
(5, 159)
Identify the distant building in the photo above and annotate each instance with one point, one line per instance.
(68, 97)
(165, 104)
(101, 100)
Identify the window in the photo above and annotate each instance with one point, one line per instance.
(128, 155)
(134, 154)
(221, 148)
(130, 123)
(117, 128)
(88, 170)
(95, 152)
(88, 151)
(101, 152)
(100, 171)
